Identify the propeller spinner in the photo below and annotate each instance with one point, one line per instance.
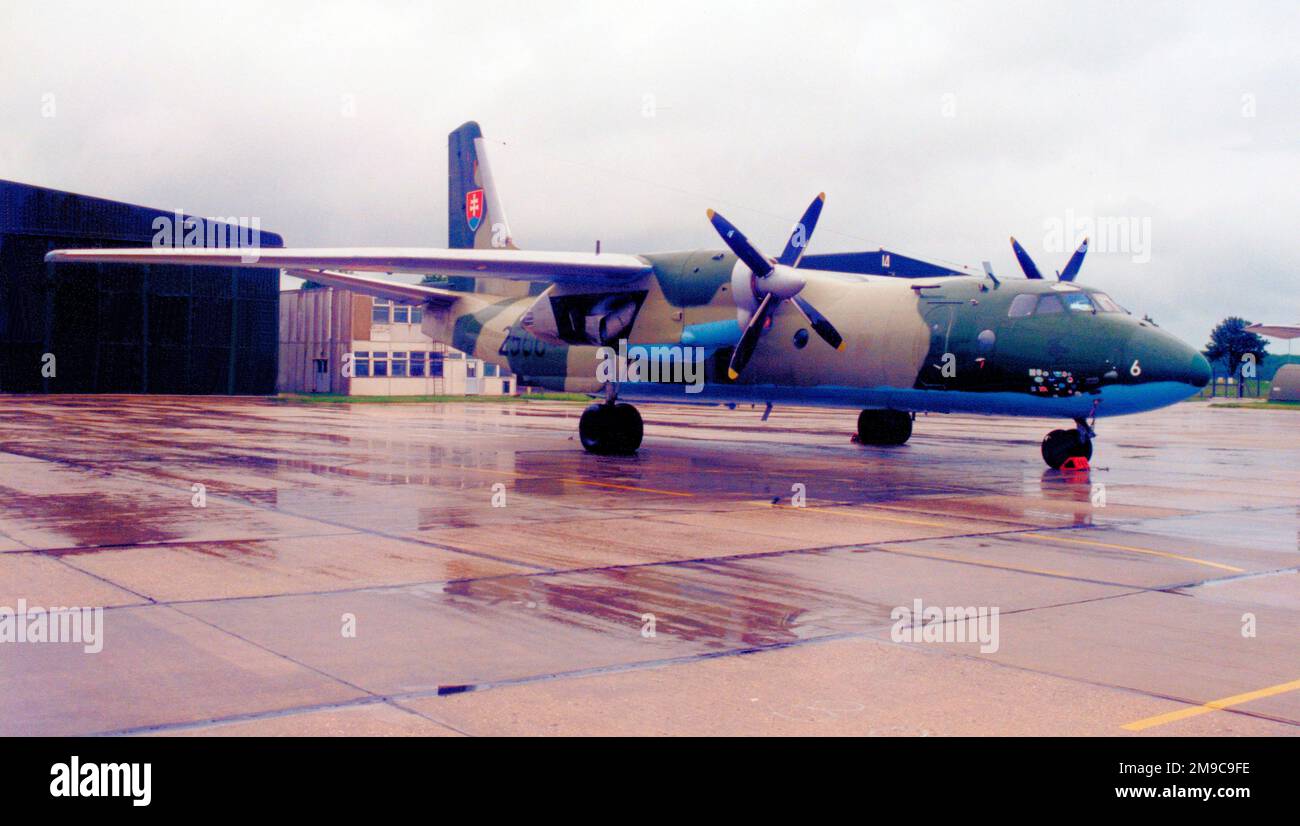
(773, 281)
(1031, 270)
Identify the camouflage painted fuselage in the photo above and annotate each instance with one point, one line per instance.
(943, 344)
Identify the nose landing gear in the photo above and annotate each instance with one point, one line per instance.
(1060, 445)
(610, 429)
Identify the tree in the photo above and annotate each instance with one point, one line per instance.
(464, 285)
(1232, 346)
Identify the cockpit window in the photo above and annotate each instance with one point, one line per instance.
(1077, 302)
(1022, 305)
(1107, 304)
(1049, 304)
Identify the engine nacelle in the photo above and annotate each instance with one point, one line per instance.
(582, 318)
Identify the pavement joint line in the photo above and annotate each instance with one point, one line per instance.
(1213, 705)
(881, 546)
(86, 550)
(273, 652)
(232, 499)
(1130, 548)
(867, 634)
(148, 600)
(665, 563)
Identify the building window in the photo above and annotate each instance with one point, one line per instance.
(505, 388)
(435, 365)
(417, 364)
(401, 314)
(471, 370)
(489, 370)
(379, 364)
(399, 365)
(361, 364)
(417, 315)
(379, 313)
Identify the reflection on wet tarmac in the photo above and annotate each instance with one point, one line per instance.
(592, 566)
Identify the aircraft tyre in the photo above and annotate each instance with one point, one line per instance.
(610, 429)
(884, 427)
(1060, 445)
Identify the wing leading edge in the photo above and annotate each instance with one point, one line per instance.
(565, 267)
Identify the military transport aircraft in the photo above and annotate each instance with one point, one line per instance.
(839, 330)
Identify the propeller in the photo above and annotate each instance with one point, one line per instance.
(771, 281)
(1031, 270)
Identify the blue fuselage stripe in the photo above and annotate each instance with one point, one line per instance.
(1114, 400)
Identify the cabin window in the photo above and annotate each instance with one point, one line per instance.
(379, 312)
(401, 314)
(1049, 305)
(361, 364)
(1022, 305)
(417, 364)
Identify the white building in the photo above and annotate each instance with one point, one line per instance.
(389, 355)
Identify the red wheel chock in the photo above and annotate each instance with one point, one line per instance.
(1075, 463)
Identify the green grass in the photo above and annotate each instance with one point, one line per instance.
(1258, 405)
(323, 398)
(1229, 392)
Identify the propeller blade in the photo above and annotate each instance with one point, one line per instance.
(1076, 261)
(802, 233)
(820, 325)
(749, 338)
(1026, 263)
(740, 245)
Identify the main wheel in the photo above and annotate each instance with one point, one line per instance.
(884, 427)
(610, 429)
(1060, 445)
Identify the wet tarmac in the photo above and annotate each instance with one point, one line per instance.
(467, 569)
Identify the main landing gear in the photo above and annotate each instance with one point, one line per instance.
(884, 427)
(1060, 445)
(610, 429)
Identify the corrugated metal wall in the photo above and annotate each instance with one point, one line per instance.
(317, 324)
(124, 328)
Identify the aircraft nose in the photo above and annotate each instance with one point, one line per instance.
(1161, 357)
(1199, 371)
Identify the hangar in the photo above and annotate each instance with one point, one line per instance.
(126, 328)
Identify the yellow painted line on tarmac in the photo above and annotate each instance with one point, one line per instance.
(972, 561)
(1130, 548)
(624, 487)
(1213, 705)
(855, 514)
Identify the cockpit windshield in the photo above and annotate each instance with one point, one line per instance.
(1028, 304)
(1077, 302)
(1106, 304)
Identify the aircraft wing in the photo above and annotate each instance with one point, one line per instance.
(378, 287)
(586, 268)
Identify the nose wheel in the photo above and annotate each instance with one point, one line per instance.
(1060, 445)
(610, 429)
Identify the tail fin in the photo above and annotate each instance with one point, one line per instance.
(476, 218)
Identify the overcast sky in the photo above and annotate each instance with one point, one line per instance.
(935, 129)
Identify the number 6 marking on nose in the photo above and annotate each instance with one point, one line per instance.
(1136, 369)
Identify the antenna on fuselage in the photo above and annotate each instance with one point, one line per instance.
(988, 270)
